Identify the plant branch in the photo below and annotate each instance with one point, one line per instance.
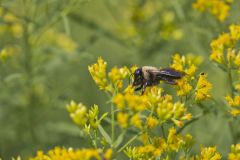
(190, 122)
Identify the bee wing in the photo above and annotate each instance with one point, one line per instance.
(169, 80)
(169, 72)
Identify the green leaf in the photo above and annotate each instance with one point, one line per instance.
(119, 140)
(104, 134)
(103, 116)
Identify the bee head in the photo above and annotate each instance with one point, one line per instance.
(138, 77)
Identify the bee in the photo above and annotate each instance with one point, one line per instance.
(149, 76)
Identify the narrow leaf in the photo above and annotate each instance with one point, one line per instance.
(104, 134)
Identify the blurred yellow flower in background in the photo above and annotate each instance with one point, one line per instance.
(218, 8)
(122, 119)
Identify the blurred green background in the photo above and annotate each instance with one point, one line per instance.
(46, 46)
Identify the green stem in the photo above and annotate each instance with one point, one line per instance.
(113, 124)
(230, 124)
(129, 142)
(190, 122)
(163, 132)
(28, 69)
(230, 82)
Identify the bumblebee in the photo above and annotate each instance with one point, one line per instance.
(150, 76)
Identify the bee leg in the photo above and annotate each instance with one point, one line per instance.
(144, 87)
(137, 89)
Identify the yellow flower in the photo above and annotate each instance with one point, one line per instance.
(17, 30)
(237, 87)
(218, 8)
(203, 88)
(183, 86)
(151, 122)
(174, 141)
(231, 55)
(77, 113)
(209, 153)
(108, 154)
(144, 138)
(65, 42)
(72, 154)
(186, 64)
(177, 122)
(178, 62)
(226, 41)
(235, 31)
(117, 75)
(98, 73)
(9, 17)
(235, 112)
(235, 152)
(122, 119)
(7, 52)
(160, 145)
(119, 100)
(136, 102)
(237, 59)
(234, 103)
(136, 121)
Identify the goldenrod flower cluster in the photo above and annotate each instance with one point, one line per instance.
(235, 152)
(185, 65)
(77, 113)
(208, 153)
(132, 107)
(115, 76)
(83, 116)
(234, 103)
(188, 65)
(225, 46)
(158, 147)
(73, 154)
(226, 54)
(218, 8)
